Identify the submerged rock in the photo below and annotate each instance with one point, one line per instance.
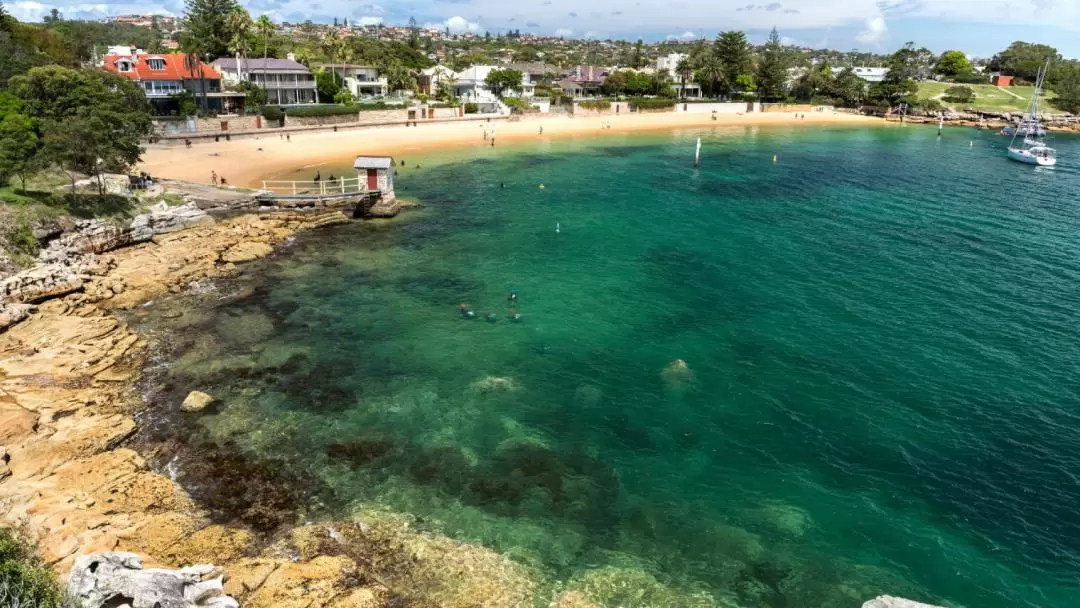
(495, 384)
(117, 579)
(888, 601)
(677, 373)
(197, 401)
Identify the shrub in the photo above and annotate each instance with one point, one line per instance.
(24, 581)
(316, 111)
(599, 104)
(959, 94)
(271, 113)
(651, 104)
(471, 108)
(971, 78)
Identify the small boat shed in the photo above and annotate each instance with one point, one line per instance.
(377, 172)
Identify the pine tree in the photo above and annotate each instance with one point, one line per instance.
(636, 60)
(733, 52)
(335, 21)
(206, 28)
(772, 69)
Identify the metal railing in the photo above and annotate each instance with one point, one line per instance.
(322, 188)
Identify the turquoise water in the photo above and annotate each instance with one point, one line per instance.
(880, 333)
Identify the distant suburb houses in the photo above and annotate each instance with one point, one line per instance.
(162, 76)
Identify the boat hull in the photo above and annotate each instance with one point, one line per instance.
(1025, 156)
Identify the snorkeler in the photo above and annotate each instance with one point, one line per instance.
(466, 311)
(512, 298)
(513, 315)
(491, 317)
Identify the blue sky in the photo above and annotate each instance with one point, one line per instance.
(979, 27)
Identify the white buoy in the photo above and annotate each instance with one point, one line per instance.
(697, 153)
(971, 144)
(941, 123)
(556, 227)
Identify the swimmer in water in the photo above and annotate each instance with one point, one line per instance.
(512, 298)
(466, 311)
(513, 315)
(491, 317)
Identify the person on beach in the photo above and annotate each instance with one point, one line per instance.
(213, 178)
(288, 138)
(331, 178)
(541, 129)
(317, 175)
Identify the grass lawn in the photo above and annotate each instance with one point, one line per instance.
(987, 97)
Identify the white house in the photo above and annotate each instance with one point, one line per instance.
(362, 80)
(867, 74)
(670, 64)
(430, 79)
(469, 86)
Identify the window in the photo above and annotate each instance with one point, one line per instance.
(123, 66)
(156, 63)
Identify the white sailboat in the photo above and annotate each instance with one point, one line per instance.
(1032, 148)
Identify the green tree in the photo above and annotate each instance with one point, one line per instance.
(414, 34)
(772, 75)
(817, 80)
(265, 27)
(1023, 59)
(959, 94)
(849, 87)
(733, 52)
(18, 147)
(501, 80)
(399, 77)
(711, 73)
(615, 83)
(952, 63)
(1067, 89)
(685, 70)
(637, 59)
(328, 85)
(185, 103)
(898, 82)
(206, 27)
(240, 26)
(91, 120)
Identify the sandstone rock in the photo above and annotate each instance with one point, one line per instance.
(11, 314)
(168, 220)
(888, 601)
(246, 251)
(117, 578)
(5, 458)
(197, 401)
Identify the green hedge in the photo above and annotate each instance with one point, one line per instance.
(314, 111)
(651, 104)
(24, 580)
(471, 108)
(271, 113)
(600, 104)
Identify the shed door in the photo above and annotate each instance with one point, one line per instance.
(372, 180)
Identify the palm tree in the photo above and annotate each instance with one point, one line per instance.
(347, 56)
(265, 28)
(193, 63)
(399, 77)
(239, 23)
(684, 69)
(330, 45)
(711, 70)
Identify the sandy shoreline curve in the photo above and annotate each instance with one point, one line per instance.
(245, 162)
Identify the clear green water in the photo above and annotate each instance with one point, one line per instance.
(881, 332)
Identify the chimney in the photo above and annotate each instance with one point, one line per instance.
(291, 56)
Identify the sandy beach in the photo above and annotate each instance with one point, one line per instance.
(248, 161)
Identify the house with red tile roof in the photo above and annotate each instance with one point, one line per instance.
(584, 80)
(163, 75)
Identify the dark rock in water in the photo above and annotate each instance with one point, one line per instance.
(363, 450)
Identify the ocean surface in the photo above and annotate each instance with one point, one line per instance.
(881, 338)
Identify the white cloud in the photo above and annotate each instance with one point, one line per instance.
(367, 21)
(875, 31)
(788, 41)
(685, 36)
(589, 35)
(564, 33)
(458, 25)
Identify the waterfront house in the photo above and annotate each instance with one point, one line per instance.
(429, 79)
(362, 81)
(285, 80)
(163, 76)
(867, 74)
(670, 64)
(469, 86)
(376, 173)
(584, 80)
(539, 72)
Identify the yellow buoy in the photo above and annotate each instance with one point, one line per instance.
(774, 158)
(541, 186)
